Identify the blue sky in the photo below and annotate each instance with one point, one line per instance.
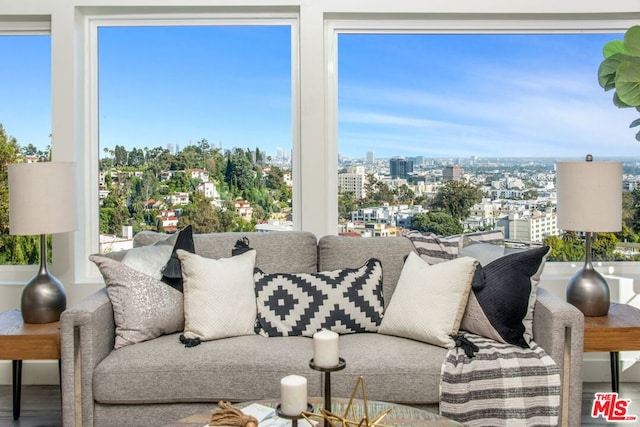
(429, 95)
(25, 87)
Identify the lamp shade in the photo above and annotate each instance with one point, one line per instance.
(589, 196)
(42, 198)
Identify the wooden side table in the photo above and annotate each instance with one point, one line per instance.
(618, 331)
(26, 341)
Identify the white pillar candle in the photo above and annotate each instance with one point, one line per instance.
(293, 395)
(325, 349)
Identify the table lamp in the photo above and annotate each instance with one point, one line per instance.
(42, 201)
(589, 200)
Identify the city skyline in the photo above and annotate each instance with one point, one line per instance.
(437, 96)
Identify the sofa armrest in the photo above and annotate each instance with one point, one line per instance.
(87, 334)
(558, 327)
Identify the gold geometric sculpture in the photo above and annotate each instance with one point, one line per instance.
(331, 419)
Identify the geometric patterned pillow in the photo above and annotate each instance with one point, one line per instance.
(344, 301)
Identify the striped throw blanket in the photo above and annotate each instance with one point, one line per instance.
(501, 385)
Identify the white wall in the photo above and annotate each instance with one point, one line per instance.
(73, 126)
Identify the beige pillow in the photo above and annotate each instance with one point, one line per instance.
(219, 295)
(143, 307)
(429, 300)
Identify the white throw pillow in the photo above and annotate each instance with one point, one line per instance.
(483, 252)
(219, 296)
(429, 300)
(149, 260)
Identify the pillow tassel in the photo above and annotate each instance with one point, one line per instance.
(470, 349)
(241, 246)
(189, 342)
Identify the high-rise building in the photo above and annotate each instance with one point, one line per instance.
(371, 157)
(353, 182)
(418, 160)
(452, 173)
(400, 167)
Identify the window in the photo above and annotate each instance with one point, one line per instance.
(495, 110)
(25, 123)
(195, 127)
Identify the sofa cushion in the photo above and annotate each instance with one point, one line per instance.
(336, 252)
(236, 369)
(143, 307)
(501, 304)
(344, 301)
(276, 251)
(430, 300)
(219, 299)
(250, 368)
(395, 369)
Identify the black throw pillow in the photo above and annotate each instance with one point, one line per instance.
(502, 298)
(172, 271)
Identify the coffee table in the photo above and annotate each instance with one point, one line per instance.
(400, 415)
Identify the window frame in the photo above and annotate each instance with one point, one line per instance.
(22, 25)
(87, 242)
(491, 24)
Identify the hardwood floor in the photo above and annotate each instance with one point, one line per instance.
(41, 405)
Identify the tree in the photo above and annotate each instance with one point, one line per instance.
(120, 156)
(229, 221)
(203, 149)
(377, 192)
(142, 189)
(274, 182)
(259, 156)
(135, 158)
(456, 198)
(439, 223)
(179, 182)
(13, 249)
(239, 173)
(9, 150)
(404, 194)
(346, 204)
(603, 246)
(29, 150)
(530, 194)
(189, 158)
(201, 215)
(568, 247)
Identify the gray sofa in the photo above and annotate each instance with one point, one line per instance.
(157, 381)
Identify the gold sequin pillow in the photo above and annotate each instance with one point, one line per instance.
(143, 307)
